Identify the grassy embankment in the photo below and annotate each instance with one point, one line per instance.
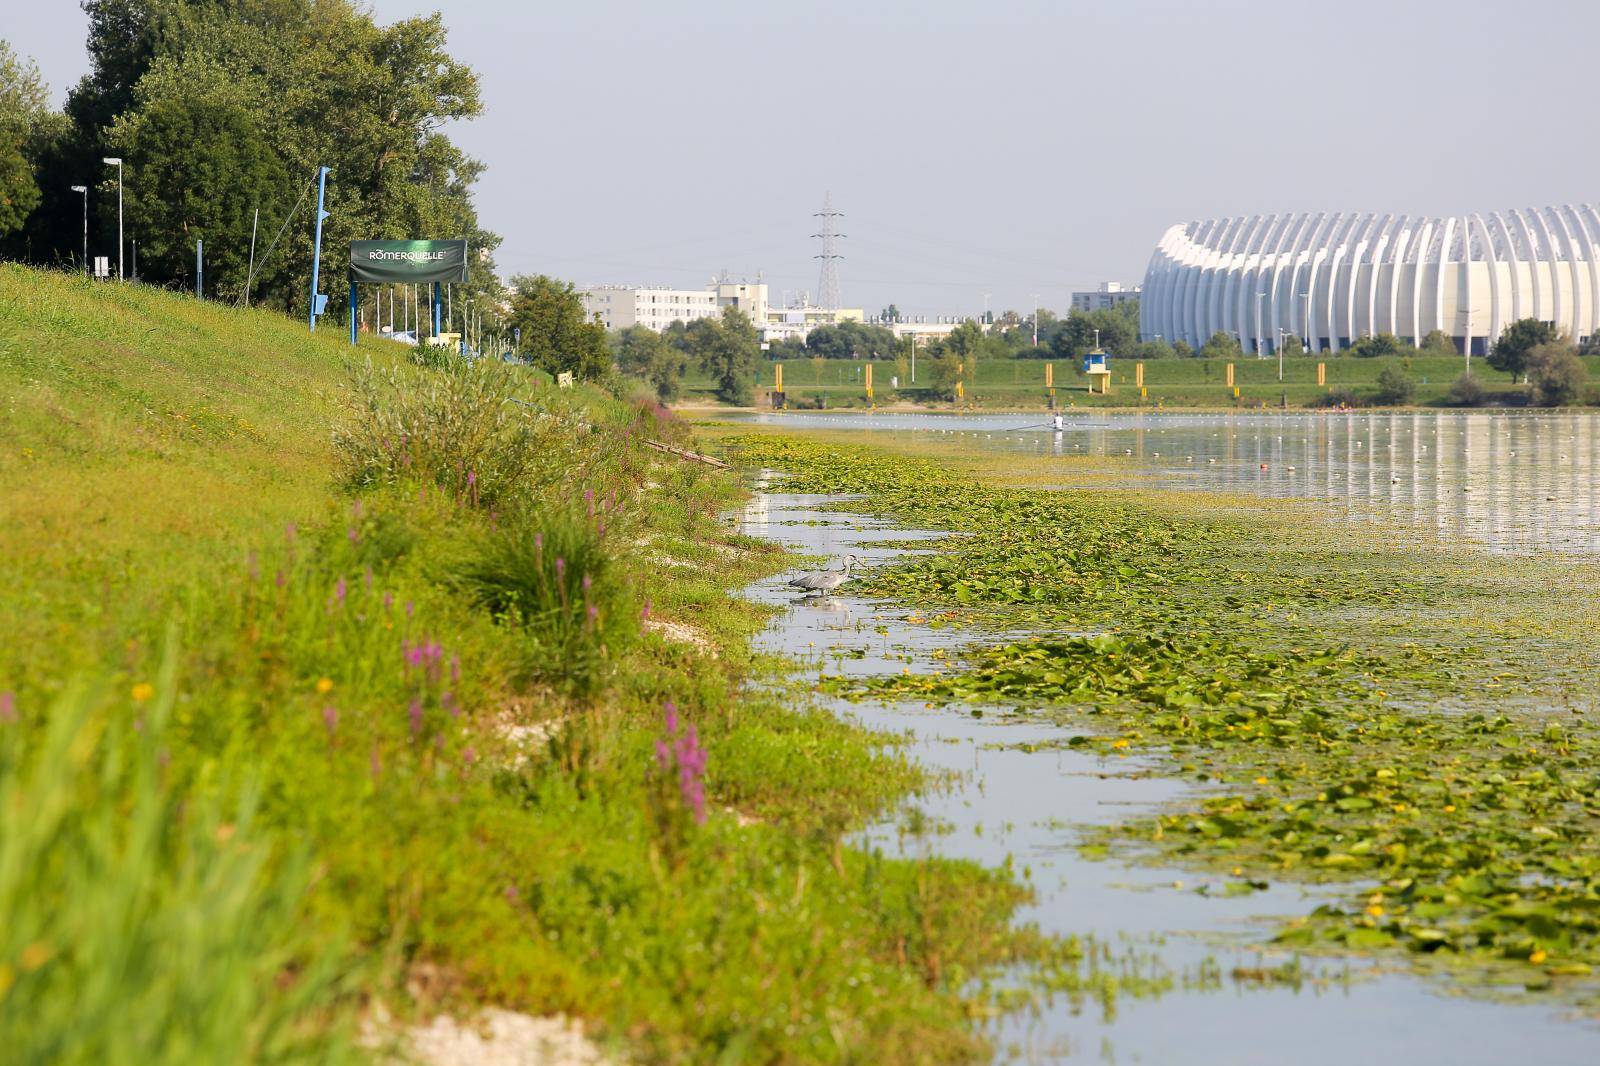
(1011, 383)
(1413, 726)
(324, 684)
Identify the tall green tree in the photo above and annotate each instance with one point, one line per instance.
(643, 353)
(204, 170)
(1116, 333)
(25, 117)
(321, 84)
(730, 351)
(1511, 350)
(557, 336)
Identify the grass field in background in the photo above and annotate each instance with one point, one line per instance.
(1168, 382)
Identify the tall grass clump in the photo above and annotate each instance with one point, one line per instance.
(553, 575)
(471, 428)
(143, 925)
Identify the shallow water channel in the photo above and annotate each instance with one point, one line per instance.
(1032, 805)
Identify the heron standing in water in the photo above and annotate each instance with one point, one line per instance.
(824, 581)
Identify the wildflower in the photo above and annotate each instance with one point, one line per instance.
(354, 534)
(375, 763)
(469, 755)
(587, 582)
(644, 615)
(289, 532)
(1538, 956)
(339, 590)
(143, 691)
(324, 685)
(409, 608)
(8, 706)
(330, 717)
(511, 893)
(415, 716)
(671, 714)
(368, 579)
(388, 601)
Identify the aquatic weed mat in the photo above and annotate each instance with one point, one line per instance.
(1410, 724)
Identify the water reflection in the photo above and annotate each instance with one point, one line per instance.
(1511, 481)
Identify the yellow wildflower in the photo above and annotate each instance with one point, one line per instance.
(143, 691)
(1538, 956)
(324, 685)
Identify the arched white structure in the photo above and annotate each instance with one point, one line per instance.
(1355, 275)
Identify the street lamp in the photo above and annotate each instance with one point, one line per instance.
(116, 161)
(1259, 295)
(85, 190)
(1305, 322)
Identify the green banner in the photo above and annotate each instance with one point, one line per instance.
(407, 262)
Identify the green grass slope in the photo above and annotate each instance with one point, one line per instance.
(329, 681)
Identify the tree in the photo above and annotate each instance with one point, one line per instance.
(24, 115)
(1437, 342)
(733, 348)
(943, 373)
(1510, 352)
(1395, 386)
(965, 341)
(321, 84)
(1555, 374)
(1222, 345)
(1293, 346)
(1373, 346)
(197, 172)
(1181, 349)
(643, 353)
(557, 336)
(1116, 333)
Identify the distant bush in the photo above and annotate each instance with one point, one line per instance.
(1556, 376)
(1395, 386)
(1382, 344)
(1466, 391)
(437, 356)
(1338, 397)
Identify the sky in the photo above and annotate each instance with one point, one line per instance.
(983, 153)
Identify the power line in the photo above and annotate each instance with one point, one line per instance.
(828, 297)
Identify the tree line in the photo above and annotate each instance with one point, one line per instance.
(223, 109)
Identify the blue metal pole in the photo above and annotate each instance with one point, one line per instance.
(437, 307)
(316, 248)
(199, 271)
(355, 312)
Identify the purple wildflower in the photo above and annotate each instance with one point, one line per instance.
(469, 755)
(409, 608)
(671, 713)
(8, 706)
(330, 717)
(388, 601)
(415, 715)
(644, 615)
(339, 591)
(289, 532)
(282, 580)
(354, 534)
(587, 582)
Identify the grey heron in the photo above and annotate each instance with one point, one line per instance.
(824, 580)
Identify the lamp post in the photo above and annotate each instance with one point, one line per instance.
(1305, 321)
(1280, 355)
(85, 190)
(116, 161)
(1259, 295)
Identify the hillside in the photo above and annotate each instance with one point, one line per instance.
(333, 684)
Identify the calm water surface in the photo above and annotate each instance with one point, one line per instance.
(1509, 481)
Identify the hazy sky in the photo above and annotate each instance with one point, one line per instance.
(1010, 147)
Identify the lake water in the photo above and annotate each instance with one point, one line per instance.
(1508, 481)
(1032, 806)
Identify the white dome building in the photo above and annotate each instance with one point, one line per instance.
(1330, 279)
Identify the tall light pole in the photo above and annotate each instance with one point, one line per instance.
(1280, 355)
(1305, 323)
(1036, 320)
(116, 161)
(85, 190)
